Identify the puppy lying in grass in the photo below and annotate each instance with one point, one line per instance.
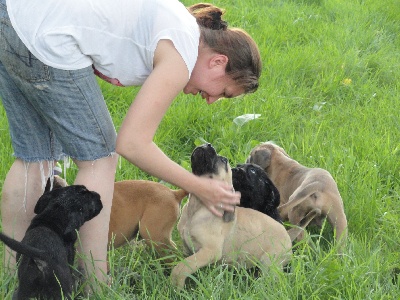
(249, 237)
(302, 190)
(148, 208)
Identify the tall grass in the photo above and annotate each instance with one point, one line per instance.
(329, 95)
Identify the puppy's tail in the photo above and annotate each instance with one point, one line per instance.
(24, 249)
(295, 231)
(179, 195)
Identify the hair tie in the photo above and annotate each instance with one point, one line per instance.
(216, 22)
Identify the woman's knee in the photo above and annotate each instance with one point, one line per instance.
(98, 175)
(104, 164)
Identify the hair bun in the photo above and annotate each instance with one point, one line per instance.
(209, 16)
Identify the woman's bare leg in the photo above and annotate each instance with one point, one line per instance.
(19, 197)
(22, 188)
(98, 176)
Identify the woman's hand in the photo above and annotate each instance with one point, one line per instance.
(218, 196)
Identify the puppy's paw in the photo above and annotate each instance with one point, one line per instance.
(177, 277)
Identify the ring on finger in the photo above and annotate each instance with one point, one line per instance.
(221, 205)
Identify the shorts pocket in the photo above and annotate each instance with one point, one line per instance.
(17, 59)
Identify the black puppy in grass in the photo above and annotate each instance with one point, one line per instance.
(46, 253)
(256, 189)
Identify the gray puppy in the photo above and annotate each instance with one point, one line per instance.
(302, 190)
(47, 251)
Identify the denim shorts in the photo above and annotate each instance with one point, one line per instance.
(52, 113)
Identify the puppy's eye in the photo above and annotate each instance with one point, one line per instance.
(224, 160)
(253, 171)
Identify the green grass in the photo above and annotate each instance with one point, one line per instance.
(329, 95)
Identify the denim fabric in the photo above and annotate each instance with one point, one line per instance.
(51, 112)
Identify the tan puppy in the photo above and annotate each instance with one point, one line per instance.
(147, 207)
(143, 206)
(251, 235)
(302, 189)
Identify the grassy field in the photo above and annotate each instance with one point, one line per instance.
(329, 95)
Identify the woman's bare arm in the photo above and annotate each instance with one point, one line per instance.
(135, 137)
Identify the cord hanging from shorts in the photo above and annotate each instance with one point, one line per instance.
(42, 177)
(26, 166)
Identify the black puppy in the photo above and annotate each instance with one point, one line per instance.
(257, 190)
(47, 251)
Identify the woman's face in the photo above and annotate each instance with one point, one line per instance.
(210, 80)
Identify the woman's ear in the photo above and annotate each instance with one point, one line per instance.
(219, 60)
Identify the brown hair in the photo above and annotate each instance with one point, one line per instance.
(244, 62)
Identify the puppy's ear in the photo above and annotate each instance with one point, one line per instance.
(42, 203)
(46, 198)
(261, 157)
(75, 221)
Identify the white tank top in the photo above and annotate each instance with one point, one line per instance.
(117, 37)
